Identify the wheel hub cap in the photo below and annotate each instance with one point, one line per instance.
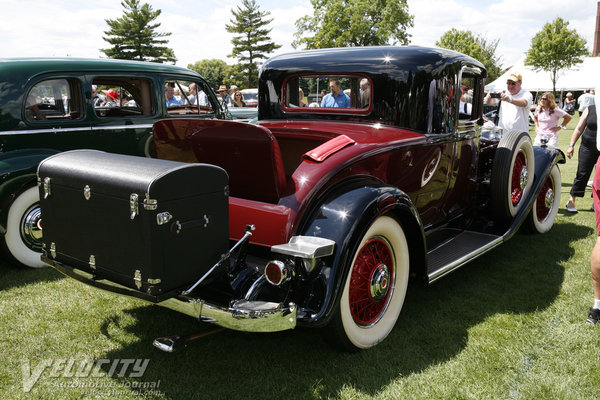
(31, 229)
(549, 198)
(523, 177)
(380, 282)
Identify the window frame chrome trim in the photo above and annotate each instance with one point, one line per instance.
(75, 129)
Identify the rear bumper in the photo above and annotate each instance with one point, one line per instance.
(241, 315)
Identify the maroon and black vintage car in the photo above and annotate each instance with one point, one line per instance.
(318, 215)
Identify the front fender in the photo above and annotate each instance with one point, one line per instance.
(18, 170)
(344, 217)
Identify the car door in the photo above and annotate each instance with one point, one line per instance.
(53, 114)
(463, 171)
(122, 119)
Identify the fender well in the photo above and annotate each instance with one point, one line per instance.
(344, 216)
(17, 171)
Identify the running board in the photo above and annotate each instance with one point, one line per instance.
(457, 251)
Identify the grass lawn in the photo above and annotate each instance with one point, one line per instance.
(509, 325)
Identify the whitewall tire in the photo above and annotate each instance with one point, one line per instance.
(23, 238)
(375, 288)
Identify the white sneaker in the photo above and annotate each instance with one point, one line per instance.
(570, 209)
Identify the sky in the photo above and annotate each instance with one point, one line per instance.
(35, 28)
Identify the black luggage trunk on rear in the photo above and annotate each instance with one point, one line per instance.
(151, 225)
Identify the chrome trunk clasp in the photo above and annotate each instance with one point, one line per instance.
(46, 187)
(133, 205)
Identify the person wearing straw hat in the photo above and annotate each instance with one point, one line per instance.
(514, 105)
(225, 98)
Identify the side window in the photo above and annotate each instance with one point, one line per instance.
(54, 99)
(122, 97)
(184, 97)
(442, 103)
(465, 106)
(328, 94)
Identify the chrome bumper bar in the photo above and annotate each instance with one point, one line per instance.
(241, 315)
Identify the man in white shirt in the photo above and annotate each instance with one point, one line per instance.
(514, 106)
(584, 101)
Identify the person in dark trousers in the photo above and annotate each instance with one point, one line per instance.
(588, 154)
(594, 311)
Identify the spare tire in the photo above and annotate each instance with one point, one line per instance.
(512, 174)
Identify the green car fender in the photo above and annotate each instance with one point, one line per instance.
(18, 170)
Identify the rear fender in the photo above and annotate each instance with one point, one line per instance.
(344, 217)
(17, 172)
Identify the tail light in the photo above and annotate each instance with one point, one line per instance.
(277, 272)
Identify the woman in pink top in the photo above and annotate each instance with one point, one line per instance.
(546, 119)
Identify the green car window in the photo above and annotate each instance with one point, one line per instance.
(54, 99)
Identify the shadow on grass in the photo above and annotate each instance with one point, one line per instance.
(14, 276)
(523, 275)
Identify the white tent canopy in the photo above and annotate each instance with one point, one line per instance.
(580, 77)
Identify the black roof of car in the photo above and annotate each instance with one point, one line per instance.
(389, 60)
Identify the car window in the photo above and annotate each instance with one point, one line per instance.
(469, 88)
(185, 97)
(250, 96)
(465, 106)
(122, 97)
(328, 94)
(54, 99)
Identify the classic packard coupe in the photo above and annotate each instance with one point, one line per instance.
(318, 215)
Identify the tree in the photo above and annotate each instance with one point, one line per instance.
(475, 46)
(133, 36)
(214, 71)
(556, 48)
(252, 41)
(343, 23)
(237, 75)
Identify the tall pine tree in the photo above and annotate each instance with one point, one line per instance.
(133, 36)
(252, 41)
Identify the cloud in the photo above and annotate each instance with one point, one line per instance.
(513, 22)
(74, 28)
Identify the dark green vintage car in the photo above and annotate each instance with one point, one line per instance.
(52, 105)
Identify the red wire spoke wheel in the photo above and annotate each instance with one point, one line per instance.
(371, 281)
(546, 205)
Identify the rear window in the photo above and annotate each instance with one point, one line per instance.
(54, 99)
(328, 94)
